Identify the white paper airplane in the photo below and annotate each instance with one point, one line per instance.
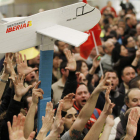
(65, 24)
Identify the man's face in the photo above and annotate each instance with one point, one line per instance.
(113, 78)
(134, 98)
(82, 95)
(120, 30)
(130, 42)
(128, 74)
(121, 24)
(30, 77)
(62, 46)
(70, 118)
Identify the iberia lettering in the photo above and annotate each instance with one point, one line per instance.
(11, 28)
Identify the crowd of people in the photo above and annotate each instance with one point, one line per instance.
(85, 104)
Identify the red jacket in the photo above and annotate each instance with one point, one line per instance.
(112, 10)
(92, 119)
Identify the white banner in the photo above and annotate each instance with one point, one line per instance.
(5, 2)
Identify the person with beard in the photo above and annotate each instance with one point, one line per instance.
(116, 97)
(87, 103)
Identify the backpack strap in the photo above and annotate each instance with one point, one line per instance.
(96, 114)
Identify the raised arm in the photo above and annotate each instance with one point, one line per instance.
(71, 83)
(15, 104)
(131, 128)
(89, 76)
(58, 127)
(47, 122)
(96, 129)
(108, 126)
(96, 62)
(16, 131)
(8, 70)
(22, 66)
(36, 94)
(136, 59)
(87, 110)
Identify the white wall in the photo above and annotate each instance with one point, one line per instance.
(32, 8)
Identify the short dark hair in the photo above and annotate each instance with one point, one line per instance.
(124, 68)
(106, 21)
(116, 52)
(24, 100)
(134, 82)
(55, 54)
(132, 32)
(82, 84)
(110, 71)
(127, 18)
(106, 27)
(110, 16)
(113, 34)
(63, 65)
(56, 42)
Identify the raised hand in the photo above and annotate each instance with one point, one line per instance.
(96, 61)
(16, 131)
(110, 120)
(58, 122)
(131, 128)
(71, 65)
(108, 107)
(67, 101)
(8, 67)
(47, 121)
(22, 66)
(104, 83)
(37, 93)
(20, 90)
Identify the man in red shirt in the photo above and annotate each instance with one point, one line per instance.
(109, 9)
(81, 97)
